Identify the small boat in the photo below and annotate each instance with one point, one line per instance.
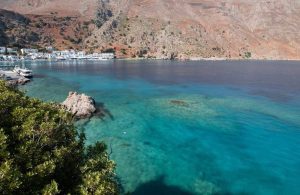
(26, 73)
(61, 58)
(97, 58)
(102, 59)
(23, 72)
(16, 69)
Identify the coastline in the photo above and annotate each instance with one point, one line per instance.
(209, 59)
(176, 59)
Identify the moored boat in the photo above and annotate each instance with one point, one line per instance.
(23, 72)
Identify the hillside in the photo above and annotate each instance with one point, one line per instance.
(85, 8)
(170, 28)
(39, 31)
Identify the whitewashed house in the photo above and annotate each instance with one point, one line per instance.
(11, 50)
(107, 56)
(49, 48)
(26, 51)
(64, 55)
(2, 57)
(50, 56)
(2, 50)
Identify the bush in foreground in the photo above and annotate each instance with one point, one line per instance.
(42, 153)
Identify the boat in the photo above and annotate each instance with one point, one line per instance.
(23, 72)
(16, 69)
(26, 73)
(101, 59)
(61, 58)
(97, 58)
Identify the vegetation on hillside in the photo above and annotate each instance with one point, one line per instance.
(42, 153)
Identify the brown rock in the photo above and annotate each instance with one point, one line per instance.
(23, 81)
(16, 82)
(80, 105)
(179, 103)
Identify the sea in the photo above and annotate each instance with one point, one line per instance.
(188, 127)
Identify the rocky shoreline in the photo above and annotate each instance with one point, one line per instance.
(20, 81)
(13, 80)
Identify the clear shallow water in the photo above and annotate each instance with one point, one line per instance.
(190, 127)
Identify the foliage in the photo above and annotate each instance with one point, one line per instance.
(109, 50)
(42, 153)
(123, 51)
(248, 54)
(103, 14)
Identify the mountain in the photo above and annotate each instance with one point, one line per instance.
(260, 29)
(83, 8)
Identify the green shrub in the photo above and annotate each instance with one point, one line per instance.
(41, 152)
(123, 51)
(248, 54)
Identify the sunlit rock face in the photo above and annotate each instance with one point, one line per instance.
(168, 29)
(80, 105)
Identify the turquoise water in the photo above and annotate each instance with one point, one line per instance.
(190, 127)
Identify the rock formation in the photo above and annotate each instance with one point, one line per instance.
(80, 105)
(20, 81)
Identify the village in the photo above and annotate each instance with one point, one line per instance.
(49, 53)
(16, 75)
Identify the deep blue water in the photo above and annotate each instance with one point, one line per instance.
(190, 127)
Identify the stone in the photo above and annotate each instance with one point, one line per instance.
(80, 105)
(23, 81)
(179, 103)
(16, 82)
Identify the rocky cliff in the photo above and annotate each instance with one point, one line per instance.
(261, 29)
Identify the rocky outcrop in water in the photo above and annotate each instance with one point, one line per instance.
(80, 105)
(16, 82)
(23, 81)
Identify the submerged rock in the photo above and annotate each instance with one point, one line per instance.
(179, 103)
(80, 105)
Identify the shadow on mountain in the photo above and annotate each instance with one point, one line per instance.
(159, 187)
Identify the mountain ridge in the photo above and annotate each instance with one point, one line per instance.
(265, 29)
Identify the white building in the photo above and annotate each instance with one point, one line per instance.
(2, 50)
(12, 58)
(50, 56)
(11, 50)
(107, 55)
(25, 51)
(81, 53)
(49, 48)
(38, 55)
(2, 57)
(64, 52)
(56, 52)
